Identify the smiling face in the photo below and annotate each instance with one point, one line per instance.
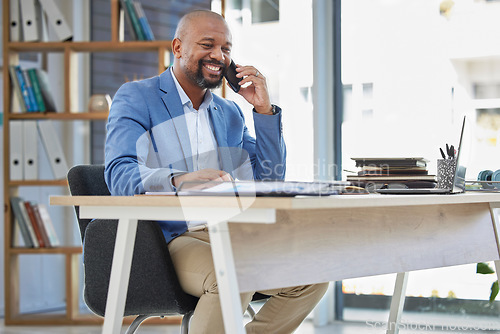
(202, 49)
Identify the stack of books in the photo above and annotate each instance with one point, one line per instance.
(35, 224)
(31, 87)
(375, 173)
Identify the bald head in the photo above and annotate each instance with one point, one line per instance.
(187, 21)
(202, 50)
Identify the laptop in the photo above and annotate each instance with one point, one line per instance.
(458, 178)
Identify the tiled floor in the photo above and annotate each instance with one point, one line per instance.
(420, 323)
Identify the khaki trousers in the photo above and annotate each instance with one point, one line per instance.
(281, 314)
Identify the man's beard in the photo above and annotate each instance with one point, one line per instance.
(201, 81)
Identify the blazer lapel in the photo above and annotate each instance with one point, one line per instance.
(175, 109)
(219, 124)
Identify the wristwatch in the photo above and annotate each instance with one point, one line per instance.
(275, 109)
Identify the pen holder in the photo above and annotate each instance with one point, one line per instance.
(445, 173)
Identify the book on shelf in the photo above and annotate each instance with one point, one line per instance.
(136, 20)
(48, 225)
(31, 92)
(34, 223)
(143, 21)
(16, 203)
(16, 88)
(37, 90)
(128, 7)
(22, 86)
(43, 227)
(32, 89)
(43, 80)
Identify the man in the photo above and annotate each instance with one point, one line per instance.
(170, 128)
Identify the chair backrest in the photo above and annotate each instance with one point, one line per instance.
(86, 180)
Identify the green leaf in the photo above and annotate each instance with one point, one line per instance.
(484, 268)
(494, 291)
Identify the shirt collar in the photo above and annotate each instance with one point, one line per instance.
(185, 99)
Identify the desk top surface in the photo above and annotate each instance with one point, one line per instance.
(337, 201)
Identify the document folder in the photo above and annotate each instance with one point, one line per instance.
(15, 22)
(56, 20)
(30, 150)
(53, 149)
(16, 151)
(29, 20)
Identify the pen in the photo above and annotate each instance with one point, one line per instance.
(452, 152)
(442, 153)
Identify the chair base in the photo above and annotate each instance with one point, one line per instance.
(184, 325)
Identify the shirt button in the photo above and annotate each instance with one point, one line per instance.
(174, 235)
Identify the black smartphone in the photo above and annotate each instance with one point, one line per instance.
(231, 78)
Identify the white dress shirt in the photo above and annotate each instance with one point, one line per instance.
(201, 134)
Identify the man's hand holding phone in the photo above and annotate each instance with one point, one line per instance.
(256, 93)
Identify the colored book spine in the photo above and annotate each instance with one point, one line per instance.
(128, 20)
(135, 21)
(17, 88)
(16, 203)
(41, 225)
(143, 20)
(36, 89)
(27, 222)
(24, 89)
(31, 92)
(34, 223)
(49, 227)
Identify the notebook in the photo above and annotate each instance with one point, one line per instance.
(261, 188)
(458, 178)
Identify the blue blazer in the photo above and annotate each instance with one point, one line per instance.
(147, 138)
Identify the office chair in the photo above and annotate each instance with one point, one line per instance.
(153, 289)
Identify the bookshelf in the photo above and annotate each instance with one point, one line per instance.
(69, 113)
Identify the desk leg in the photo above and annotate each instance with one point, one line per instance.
(229, 294)
(496, 228)
(397, 303)
(120, 272)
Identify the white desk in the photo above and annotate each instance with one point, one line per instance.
(308, 240)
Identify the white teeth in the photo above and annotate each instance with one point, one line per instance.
(213, 68)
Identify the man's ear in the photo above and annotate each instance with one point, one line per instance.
(176, 47)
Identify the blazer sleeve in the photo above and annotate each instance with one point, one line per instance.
(267, 152)
(128, 145)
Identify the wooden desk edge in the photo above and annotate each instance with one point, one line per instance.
(328, 202)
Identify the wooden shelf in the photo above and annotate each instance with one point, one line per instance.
(71, 102)
(85, 319)
(69, 116)
(97, 46)
(38, 183)
(47, 250)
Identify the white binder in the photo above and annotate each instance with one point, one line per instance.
(53, 149)
(56, 20)
(16, 150)
(29, 20)
(30, 143)
(15, 22)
